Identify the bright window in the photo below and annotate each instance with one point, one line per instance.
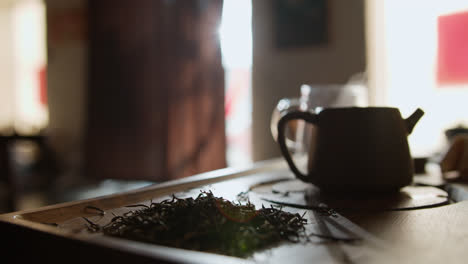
(23, 105)
(236, 45)
(403, 66)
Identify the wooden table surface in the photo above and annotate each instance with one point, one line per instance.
(57, 233)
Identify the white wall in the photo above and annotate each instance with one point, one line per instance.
(6, 69)
(279, 73)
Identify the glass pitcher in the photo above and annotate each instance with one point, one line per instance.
(313, 98)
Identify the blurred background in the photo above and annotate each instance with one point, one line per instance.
(103, 96)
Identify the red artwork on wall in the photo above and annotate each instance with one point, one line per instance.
(452, 57)
(42, 78)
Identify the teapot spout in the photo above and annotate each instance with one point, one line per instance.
(413, 119)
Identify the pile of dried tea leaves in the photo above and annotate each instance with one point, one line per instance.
(207, 223)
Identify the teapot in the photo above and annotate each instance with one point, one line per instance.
(355, 149)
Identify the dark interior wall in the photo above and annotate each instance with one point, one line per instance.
(279, 73)
(143, 67)
(67, 77)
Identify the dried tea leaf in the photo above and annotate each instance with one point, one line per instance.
(207, 223)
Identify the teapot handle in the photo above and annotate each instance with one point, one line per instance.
(306, 116)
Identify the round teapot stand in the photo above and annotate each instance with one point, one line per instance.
(296, 193)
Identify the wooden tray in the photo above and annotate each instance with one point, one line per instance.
(57, 233)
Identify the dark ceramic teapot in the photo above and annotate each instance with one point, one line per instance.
(355, 149)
